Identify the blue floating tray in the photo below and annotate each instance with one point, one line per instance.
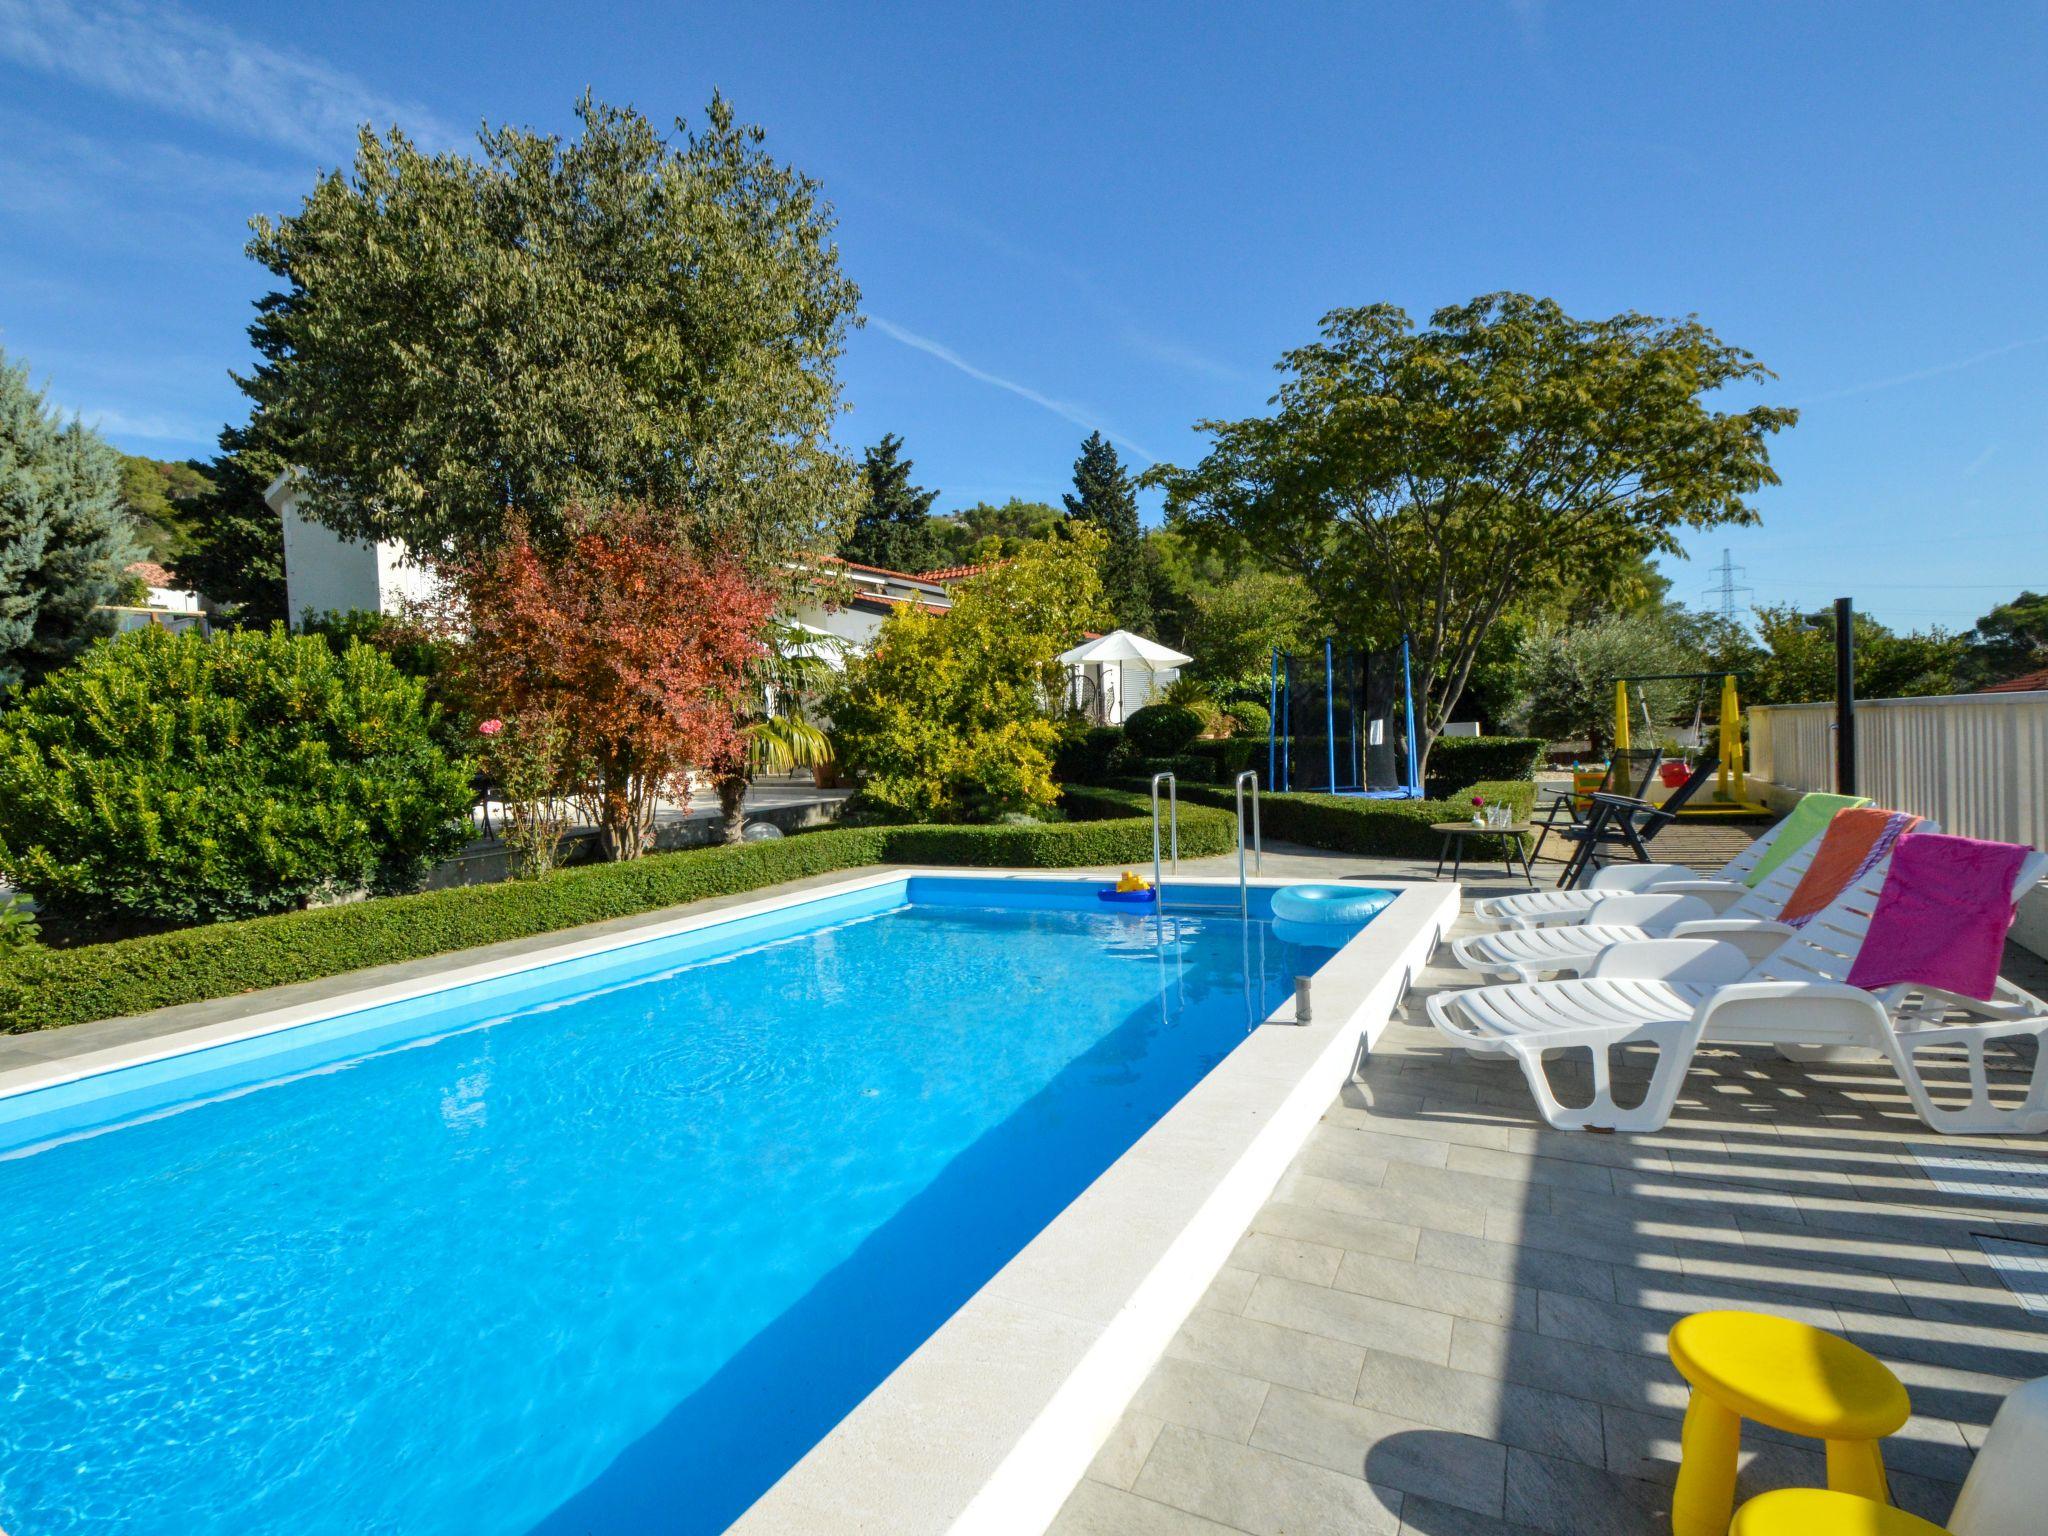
(1129, 898)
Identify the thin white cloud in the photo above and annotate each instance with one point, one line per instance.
(1957, 366)
(147, 426)
(166, 58)
(1970, 469)
(945, 354)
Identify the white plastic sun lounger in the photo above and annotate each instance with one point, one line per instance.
(1673, 993)
(1629, 917)
(1534, 909)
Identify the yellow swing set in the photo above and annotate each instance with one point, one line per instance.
(1730, 796)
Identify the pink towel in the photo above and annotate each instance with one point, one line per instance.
(1941, 916)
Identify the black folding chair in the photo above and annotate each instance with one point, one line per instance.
(1628, 773)
(1622, 821)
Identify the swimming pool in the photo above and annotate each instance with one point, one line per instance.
(605, 1245)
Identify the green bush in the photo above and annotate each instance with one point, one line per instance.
(1385, 828)
(1094, 754)
(18, 926)
(43, 988)
(1163, 730)
(1250, 719)
(1227, 758)
(170, 779)
(1457, 760)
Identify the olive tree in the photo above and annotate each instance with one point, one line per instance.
(457, 343)
(1423, 481)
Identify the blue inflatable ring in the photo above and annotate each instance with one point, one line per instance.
(1329, 905)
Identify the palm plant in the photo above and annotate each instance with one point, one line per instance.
(768, 741)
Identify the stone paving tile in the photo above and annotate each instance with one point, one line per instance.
(1124, 1452)
(1566, 1366)
(1366, 1321)
(1488, 1300)
(1261, 1492)
(1337, 1229)
(1539, 1267)
(1388, 1146)
(1522, 1168)
(1204, 1397)
(1399, 1206)
(1097, 1509)
(1480, 1405)
(1426, 1517)
(1569, 1498)
(1464, 1470)
(1279, 1355)
(1230, 1290)
(1289, 1257)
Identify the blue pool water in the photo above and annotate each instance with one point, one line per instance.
(601, 1248)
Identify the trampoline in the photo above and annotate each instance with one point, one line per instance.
(1343, 723)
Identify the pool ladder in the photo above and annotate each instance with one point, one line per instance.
(1172, 830)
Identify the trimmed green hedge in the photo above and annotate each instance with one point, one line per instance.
(1386, 828)
(43, 988)
(1457, 760)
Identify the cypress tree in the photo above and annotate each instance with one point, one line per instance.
(894, 526)
(64, 539)
(1104, 495)
(234, 553)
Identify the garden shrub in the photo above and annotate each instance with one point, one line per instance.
(1162, 730)
(945, 719)
(43, 988)
(1094, 754)
(1226, 759)
(1388, 828)
(171, 779)
(1459, 760)
(1249, 718)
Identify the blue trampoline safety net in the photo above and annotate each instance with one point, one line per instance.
(1343, 723)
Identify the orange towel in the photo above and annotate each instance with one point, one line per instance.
(1855, 839)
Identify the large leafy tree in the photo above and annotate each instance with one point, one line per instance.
(1105, 495)
(64, 538)
(233, 552)
(1797, 662)
(2010, 640)
(1424, 481)
(893, 528)
(459, 341)
(156, 494)
(990, 530)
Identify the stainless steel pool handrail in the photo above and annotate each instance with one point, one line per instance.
(1244, 895)
(1173, 821)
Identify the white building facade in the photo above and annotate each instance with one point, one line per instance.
(326, 573)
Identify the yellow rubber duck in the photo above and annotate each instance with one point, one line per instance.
(1130, 882)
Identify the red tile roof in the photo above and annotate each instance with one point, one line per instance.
(957, 572)
(152, 574)
(875, 570)
(2026, 682)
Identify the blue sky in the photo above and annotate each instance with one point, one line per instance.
(1118, 215)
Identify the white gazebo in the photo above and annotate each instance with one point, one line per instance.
(1117, 673)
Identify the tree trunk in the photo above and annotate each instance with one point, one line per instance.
(732, 796)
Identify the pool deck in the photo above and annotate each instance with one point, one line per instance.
(1448, 1320)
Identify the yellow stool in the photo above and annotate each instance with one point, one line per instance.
(1818, 1512)
(1794, 1378)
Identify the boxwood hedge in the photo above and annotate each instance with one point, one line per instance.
(1458, 760)
(42, 988)
(1386, 828)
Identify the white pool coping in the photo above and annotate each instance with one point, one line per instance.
(991, 1422)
